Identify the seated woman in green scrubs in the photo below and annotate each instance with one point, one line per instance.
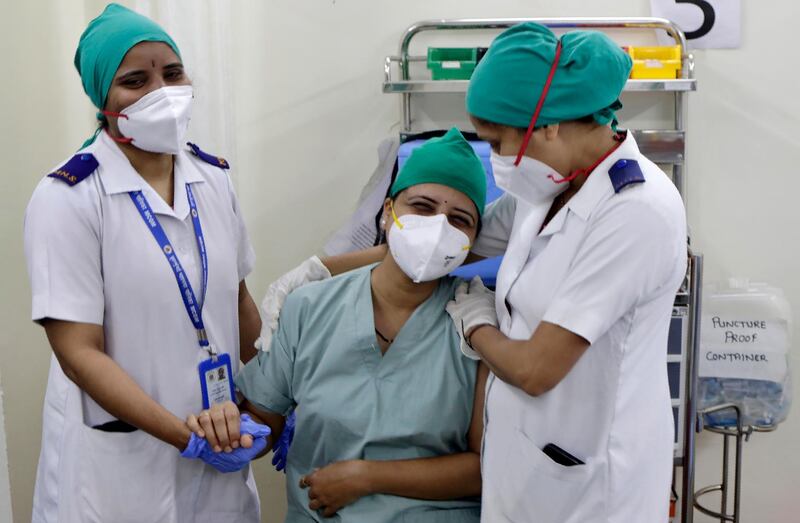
(390, 413)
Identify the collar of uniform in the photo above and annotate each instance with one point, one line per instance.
(364, 317)
(556, 222)
(119, 176)
(186, 172)
(598, 185)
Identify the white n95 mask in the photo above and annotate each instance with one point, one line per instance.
(158, 121)
(426, 247)
(532, 181)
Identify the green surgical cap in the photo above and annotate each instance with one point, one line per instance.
(508, 82)
(104, 44)
(448, 160)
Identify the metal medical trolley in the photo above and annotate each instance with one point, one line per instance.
(663, 146)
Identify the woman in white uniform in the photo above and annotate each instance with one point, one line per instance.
(579, 425)
(115, 239)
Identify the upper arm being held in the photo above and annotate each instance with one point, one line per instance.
(267, 380)
(63, 238)
(275, 421)
(627, 256)
(475, 434)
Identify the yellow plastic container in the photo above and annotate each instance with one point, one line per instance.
(655, 63)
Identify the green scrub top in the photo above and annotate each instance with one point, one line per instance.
(355, 403)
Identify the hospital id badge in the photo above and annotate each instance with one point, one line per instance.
(216, 380)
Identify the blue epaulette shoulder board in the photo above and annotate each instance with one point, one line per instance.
(216, 161)
(77, 169)
(624, 173)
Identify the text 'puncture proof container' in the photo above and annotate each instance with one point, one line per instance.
(744, 345)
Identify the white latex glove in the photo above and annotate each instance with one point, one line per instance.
(472, 307)
(310, 270)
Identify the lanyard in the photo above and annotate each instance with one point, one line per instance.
(194, 308)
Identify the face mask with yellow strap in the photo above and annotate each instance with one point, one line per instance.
(426, 247)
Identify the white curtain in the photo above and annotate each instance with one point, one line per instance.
(202, 32)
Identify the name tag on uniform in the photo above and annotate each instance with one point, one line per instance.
(216, 380)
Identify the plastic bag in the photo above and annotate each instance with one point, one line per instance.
(744, 347)
(762, 402)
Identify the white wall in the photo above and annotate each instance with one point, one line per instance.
(743, 148)
(309, 114)
(5, 483)
(40, 123)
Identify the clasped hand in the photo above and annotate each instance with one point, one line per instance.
(224, 439)
(337, 485)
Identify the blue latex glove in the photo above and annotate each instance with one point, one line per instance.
(238, 459)
(281, 450)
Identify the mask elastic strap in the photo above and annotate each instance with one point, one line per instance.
(569, 178)
(588, 170)
(124, 139)
(117, 115)
(114, 115)
(394, 216)
(540, 103)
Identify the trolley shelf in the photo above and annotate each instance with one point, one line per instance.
(460, 86)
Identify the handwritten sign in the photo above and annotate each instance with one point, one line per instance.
(746, 348)
(707, 24)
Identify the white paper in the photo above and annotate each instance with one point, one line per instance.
(743, 348)
(360, 230)
(724, 33)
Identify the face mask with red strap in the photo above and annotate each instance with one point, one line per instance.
(529, 179)
(158, 121)
(523, 177)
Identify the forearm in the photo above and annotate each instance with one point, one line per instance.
(535, 365)
(506, 358)
(275, 422)
(249, 326)
(116, 392)
(354, 260)
(440, 478)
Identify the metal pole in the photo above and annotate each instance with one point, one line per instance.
(405, 109)
(555, 23)
(405, 99)
(723, 509)
(690, 415)
(737, 479)
(678, 169)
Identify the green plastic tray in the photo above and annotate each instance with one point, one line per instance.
(452, 63)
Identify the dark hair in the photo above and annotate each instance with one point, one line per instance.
(589, 119)
(495, 125)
